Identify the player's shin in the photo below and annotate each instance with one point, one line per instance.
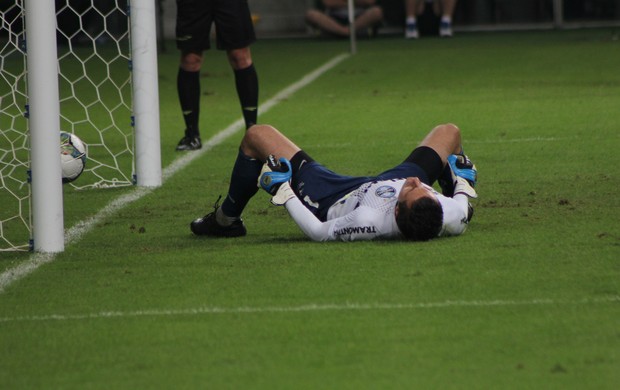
(242, 184)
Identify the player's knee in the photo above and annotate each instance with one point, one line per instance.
(191, 62)
(312, 15)
(376, 12)
(450, 131)
(254, 136)
(251, 135)
(452, 128)
(240, 58)
(256, 131)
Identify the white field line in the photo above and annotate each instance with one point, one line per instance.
(520, 140)
(75, 233)
(206, 310)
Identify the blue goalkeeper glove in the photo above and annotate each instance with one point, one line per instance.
(464, 175)
(461, 178)
(274, 173)
(462, 166)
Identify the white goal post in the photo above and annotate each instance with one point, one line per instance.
(45, 108)
(145, 92)
(44, 123)
(352, 32)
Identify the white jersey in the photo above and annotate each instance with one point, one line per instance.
(367, 213)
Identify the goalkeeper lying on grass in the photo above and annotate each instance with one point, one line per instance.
(396, 204)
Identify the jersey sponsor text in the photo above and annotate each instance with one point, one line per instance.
(355, 230)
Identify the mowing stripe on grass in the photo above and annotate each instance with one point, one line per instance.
(308, 308)
(75, 233)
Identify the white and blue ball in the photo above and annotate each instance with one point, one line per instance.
(72, 156)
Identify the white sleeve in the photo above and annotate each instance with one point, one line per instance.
(307, 222)
(455, 212)
(363, 223)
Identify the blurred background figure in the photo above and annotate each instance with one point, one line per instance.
(332, 18)
(415, 8)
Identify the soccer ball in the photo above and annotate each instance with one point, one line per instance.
(72, 156)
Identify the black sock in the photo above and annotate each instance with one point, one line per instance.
(188, 86)
(242, 184)
(246, 81)
(445, 181)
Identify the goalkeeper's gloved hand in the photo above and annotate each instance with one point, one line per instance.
(462, 166)
(283, 194)
(463, 186)
(274, 178)
(274, 173)
(459, 166)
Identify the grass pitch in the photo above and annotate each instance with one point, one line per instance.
(527, 298)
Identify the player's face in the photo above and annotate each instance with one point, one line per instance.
(412, 190)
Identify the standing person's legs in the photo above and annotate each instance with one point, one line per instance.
(235, 34)
(193, 25)
(447, 11)
(246, 83)
(447, 8)
(413, 8)
(188, 88)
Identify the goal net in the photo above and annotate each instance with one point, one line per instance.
(95, 88)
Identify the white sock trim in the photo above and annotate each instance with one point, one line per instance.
(222, 219)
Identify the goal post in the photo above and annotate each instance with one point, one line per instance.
(145, 92)
(44, 123)
(352, 32)
(85, 67)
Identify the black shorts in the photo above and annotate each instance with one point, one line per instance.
(233, 24)
(430, 162)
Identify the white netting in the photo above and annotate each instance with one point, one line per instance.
(14, 162)
(95, 102)
(95, 86)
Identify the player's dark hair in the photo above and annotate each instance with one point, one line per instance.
(422, 221)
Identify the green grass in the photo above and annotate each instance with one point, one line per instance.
(527, 298)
